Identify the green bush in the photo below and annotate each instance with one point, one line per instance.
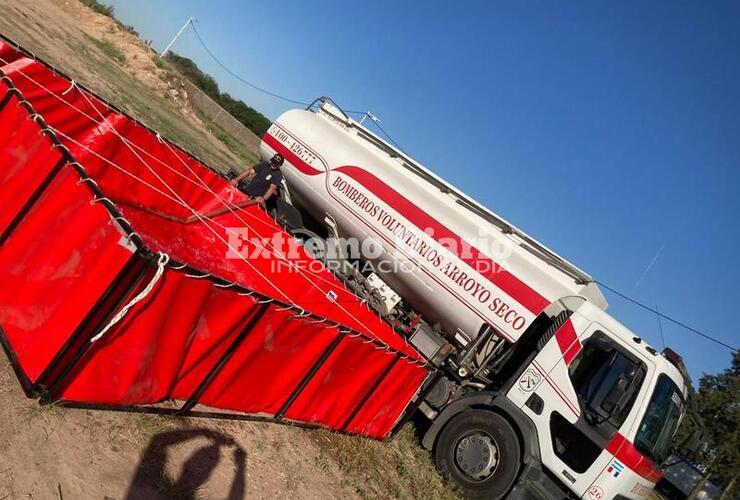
(250, 117)
(130, 29)
(100, 8)
(160, 63)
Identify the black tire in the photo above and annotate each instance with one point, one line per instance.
(314, 244)
(482, 422)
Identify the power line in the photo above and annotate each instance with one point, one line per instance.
(392, 141)
(256, 87)
(661, 315)
(276, 95)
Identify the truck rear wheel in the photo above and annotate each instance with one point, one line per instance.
(479, 451)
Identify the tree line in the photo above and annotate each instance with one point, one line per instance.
(718, 404)
(248, 116)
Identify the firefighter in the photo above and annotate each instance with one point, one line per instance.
(264, 182)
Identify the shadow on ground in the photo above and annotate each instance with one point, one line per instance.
(155, 479)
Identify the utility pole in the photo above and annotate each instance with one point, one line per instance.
(166, 49)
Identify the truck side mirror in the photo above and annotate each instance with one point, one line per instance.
(693, 445)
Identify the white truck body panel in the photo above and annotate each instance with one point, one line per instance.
(464, 271)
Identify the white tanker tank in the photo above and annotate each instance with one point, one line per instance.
(448, 257)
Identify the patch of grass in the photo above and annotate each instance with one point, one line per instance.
(259, 445)
(88, 64)
(149, 107)
(399, 469)
(277, 444)
(46, 416)
(100, 8)
(147, 426)
(161, 63)
(116, 85)
(141, 428)
(292, 481)
(228, 140)
(322, 462)
(110, 50)
(33, 412)
(110, 11)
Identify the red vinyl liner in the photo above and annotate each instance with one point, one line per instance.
(258, 379)
(90, 199)
(324, 398)
(20, 141)
(57, 263)
(389, 400)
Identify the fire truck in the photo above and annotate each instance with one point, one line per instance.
(539, 392)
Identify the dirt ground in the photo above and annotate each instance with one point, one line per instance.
(101, 54)
(57, 453)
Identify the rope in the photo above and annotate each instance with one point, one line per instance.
(161, 264)
(197, 214)
(71, 86)
(276, 251)
(237, 210)
(200, 182)
(178, 199)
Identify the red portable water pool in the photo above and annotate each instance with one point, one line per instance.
(116, 291)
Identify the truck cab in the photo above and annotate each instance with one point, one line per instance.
(589, 412)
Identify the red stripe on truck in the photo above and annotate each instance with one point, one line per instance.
(289, 155)
(624, 451)
(568, 342)
(503, 279)
(499, 276)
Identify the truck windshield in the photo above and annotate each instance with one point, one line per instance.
(661, 420)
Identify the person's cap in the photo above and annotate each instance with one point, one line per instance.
(278, 159)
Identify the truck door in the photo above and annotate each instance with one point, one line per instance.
(579, 390)
(632, 471)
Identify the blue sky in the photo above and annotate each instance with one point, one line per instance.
(608, 130)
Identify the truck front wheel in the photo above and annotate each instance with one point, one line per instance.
(479, 451)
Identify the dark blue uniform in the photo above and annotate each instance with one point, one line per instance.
(264, 176)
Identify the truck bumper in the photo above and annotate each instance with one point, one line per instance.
(535, 484)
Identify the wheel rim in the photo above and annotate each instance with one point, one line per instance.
(476, 455)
